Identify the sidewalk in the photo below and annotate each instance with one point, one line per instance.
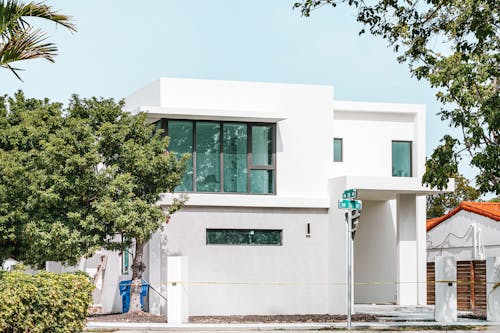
(469, 326)
(389, 318)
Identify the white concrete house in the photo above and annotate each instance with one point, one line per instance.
(470, 233)
(262, 229)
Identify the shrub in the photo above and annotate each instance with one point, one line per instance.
(44, 302)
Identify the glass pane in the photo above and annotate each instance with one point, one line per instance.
(181, 142)
(266, 237)
(337, 150)
(235, 157)
(401, 159)
(207, 157)
(261, 181)
(262, 145)
(243, 237)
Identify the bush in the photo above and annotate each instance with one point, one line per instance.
(44, 302)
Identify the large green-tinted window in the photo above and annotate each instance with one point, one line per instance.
(235, 157)
(244, 237)
(337, 150)
(227, 157)
(262, 145)
(207, 156)
(401, 159)
(181, 142)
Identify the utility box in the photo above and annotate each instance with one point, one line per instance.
(177, 290)
(446, 290)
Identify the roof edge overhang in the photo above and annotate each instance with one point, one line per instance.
(157, 112)
(387, 188)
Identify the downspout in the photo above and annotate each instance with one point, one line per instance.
(474, 240)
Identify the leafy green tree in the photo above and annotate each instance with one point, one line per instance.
(440, 204)
(19, 40)
(77, 179)
(454, 45)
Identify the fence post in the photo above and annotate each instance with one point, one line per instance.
(493, 288)
(446, 289)
(177, 290)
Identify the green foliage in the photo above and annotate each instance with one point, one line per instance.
(454, 45)
(44, 302)
(72, 179)
(19, 40)
(440, 204)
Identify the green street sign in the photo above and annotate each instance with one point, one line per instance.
(356, 204)
(344, 204)
(350, 204)
(349, 194)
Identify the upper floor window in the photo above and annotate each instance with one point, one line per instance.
(401, 159)
(337, 150)
(227, 157)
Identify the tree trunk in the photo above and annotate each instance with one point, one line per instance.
(138, 268)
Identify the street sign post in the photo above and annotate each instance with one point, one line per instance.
(353, 207)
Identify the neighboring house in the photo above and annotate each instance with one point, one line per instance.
(262, 229)
(470, 233)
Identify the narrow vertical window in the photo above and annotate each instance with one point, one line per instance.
(207, 156)
(401, 159)
(235, 157)
(262, 166)
(181, 142)
(337, 150)
(262, 145)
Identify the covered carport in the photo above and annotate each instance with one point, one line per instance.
(390, 246)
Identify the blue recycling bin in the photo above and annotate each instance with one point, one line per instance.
(125, 293)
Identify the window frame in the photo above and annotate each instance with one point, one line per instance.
(411, 157)
(250, 166)
(341, 150)
(242, 229)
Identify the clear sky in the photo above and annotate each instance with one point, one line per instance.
(122, 45)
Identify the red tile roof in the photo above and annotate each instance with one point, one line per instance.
(488, 209)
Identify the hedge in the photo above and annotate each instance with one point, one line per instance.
(44, 302)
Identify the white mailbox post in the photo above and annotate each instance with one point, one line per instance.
(446, 290)
(177, 290)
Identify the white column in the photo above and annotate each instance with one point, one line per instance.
(155, 300)
(407, 265)
(446, 289)
(178, 310)
(421, 250)
(493, 288)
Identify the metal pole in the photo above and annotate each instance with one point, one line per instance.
(349, 269)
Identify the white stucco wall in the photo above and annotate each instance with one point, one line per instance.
(375, 255)
(368, 129)
(441, 239)
(242, 279)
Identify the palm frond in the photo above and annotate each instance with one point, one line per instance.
(25, 45)
(13, 15)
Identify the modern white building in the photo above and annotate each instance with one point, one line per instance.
(262, 228)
